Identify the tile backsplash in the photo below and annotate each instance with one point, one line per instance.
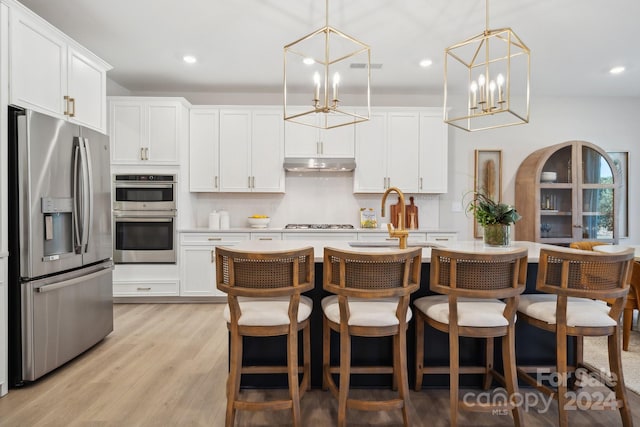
(316, 197)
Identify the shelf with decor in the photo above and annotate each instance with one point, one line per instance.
(567, 192)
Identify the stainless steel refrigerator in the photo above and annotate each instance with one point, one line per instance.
(60, 245)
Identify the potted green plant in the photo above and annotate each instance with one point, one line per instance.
(494, 217)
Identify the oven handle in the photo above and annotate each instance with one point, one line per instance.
(143, 185)
(144, 214)
(128, 218)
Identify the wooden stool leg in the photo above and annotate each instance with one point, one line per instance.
(627, 321)
(396, 364)
(510, 374)
(615, 365)
(233, 381)
(326, 352)
(306, 355)
(561, 363)
(400, 350)
(488, 360)
(345, 374)
(453, 374)
(419, 351)
(292, 370)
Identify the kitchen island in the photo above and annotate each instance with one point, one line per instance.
(257, 351)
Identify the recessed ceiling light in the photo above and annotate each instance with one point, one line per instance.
(616, 70)
(189, 59)
(308, 61)
(426, 63)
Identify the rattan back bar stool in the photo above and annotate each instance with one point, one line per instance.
(575, 286)
(264, 299)
(370, 299)
(479, 299)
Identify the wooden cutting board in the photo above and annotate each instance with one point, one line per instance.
(395, 212)
(411, 220)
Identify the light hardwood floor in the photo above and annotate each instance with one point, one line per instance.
(165, 365)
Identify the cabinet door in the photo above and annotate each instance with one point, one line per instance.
(87, 87)
(126, 129)
(433, 154)
(337, 142)
(403, 142)
(301, 140)
(198, 271)
(203, 150)
(267, 173)
(163, 132)
(235, 139)
(38, 66)
(596, 201)
(371, 159)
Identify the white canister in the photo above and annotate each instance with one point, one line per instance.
(214, 220)
(224, 220)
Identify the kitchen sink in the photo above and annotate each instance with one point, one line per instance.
(391, 244)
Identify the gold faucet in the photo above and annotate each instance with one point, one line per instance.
(401, 232)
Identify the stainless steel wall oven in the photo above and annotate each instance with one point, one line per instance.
(144, 219)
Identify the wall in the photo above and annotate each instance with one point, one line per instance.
(608, 122)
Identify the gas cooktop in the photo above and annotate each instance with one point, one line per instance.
(319, 226)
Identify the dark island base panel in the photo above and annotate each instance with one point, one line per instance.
(533, 347)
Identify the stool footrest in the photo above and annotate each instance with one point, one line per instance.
(268, 370)
(273, 405)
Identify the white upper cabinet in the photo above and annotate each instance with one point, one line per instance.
(204, 172)
(404, 149)
(308, 141)
(146, 131)
(387, 148)
(251, 150)
(434, 153)
(52, 74)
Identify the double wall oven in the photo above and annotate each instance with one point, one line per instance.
(144, 219)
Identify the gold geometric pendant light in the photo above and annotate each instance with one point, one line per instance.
(486, 82)
(332, 72)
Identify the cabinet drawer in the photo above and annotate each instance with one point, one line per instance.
(213, 238)
(266, 236)
(155, 288)
(323, 235)
(441, 237)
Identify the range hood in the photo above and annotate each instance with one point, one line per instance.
(319, 164)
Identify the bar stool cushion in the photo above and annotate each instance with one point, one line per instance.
(364, 312)
(580, 311)
(268, 311)
(471, 311)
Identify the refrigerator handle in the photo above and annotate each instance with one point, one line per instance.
(76, 195)
(88, 200)
(84, 203)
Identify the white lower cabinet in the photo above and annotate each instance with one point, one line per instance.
(145, 280)
(198, 263)
(3, 328)
(442, 237)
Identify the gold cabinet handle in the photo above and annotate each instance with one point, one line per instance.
(66, 107)
(215, 185)
(143, 289)
(213, 256)
(211, 239)
(73, 104)
(421, 183)
(265, 238)
(146, 153)
(141, 153)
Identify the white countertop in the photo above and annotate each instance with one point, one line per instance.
(475, 246)
(305, 230)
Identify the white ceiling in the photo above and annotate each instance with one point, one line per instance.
(239, 43)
